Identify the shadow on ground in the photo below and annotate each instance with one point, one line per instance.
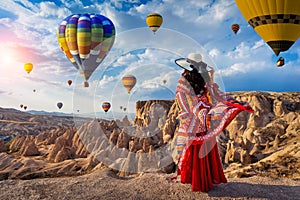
(247, 190)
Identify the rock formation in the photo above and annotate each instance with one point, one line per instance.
(3, 147)
(262, 143)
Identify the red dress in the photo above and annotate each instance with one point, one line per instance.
(202, 118)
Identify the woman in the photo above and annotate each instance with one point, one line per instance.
(204, 113)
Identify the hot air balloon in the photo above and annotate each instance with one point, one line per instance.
(21, 105)
(280, 62)
(154, 21)
(164, 81)
(28, 67)
(69, 82)
(25, 107)
(276, 21)
(86, 39)
(124, 109)
(128, 82)
(34, 90)
(105, 106)
(121, 107)
(235, 28)
(59, 105)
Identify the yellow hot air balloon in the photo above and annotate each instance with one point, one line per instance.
(154, 21)
(276, 21)
(128, 82)
(28, 67)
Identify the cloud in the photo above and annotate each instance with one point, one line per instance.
(125, 60)
(258, 44)
(241, 51)
(51, 10)
(240, 68)
(105, 81)
(39, 80)
(214, 53)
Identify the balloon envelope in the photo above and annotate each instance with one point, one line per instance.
(59, 105)
(128, 82)
(86, 39)
(69, 82)
(276, 21)
(28, 67)
(105, 106)
(154, 21)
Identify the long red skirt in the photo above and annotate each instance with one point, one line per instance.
(201, 167)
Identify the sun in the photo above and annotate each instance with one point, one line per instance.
(9, 64)
(7, 57)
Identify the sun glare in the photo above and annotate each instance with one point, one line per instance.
(8, 62)
(6, 57)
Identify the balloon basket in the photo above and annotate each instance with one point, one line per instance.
(86, 84)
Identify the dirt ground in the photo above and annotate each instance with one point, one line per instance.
(105, 184)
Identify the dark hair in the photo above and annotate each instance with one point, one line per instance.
(195, 79)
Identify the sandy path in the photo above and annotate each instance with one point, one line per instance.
(104, 184)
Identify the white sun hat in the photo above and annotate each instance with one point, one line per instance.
(193, 61)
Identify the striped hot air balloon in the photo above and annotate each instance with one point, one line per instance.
(128, 82)
(235, 28)
(86, 39)
(105, 106)
(28, 67)
(276, 21)
(154, 21)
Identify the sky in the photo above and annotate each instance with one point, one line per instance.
(243, 61)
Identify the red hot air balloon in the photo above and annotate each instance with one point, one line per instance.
(235, 28)
(105, 106)
(69, 82)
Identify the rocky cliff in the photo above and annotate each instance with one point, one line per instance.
(263, 143)
(14, 122)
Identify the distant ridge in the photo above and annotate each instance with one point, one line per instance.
(42, 112)
(100, 115)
